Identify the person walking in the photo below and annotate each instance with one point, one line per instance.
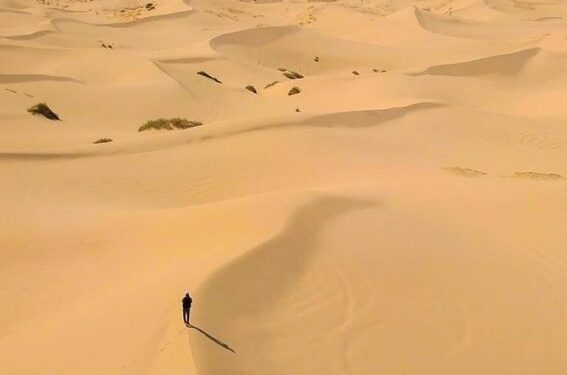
(186, 302)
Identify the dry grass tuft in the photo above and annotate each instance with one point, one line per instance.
(251, 89)
(102, 140)
(207, 75)
(271, 84)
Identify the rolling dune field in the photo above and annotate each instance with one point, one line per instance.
(345, 187)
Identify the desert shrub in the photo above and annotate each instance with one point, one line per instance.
(251, 89)
(292, 75)
(294, 90)
(271, 84)
(181, 123)
(102, 140)
(207, 75)
(168, 124)
(44, 110)
(316, 59)
(355, 73)
(158, 124)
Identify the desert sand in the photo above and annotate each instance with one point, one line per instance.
(403, 212)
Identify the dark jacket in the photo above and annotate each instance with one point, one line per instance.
(187, 301)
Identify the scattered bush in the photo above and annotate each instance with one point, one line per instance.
(207, 75)
(545, 176)
(294, 90)
(316, 59)
(44, 110)
(169, 124)
(469, 172)
(251, 89)
(102, 140)
(150, 6)
(355, 73)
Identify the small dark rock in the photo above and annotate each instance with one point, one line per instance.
(44, 110)
(294, 90)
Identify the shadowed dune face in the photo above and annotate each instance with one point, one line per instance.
(368, 118)
(16, 22)
(360, 295)
(247, 289)
(552, 7)
(506, 65)
(295, 48)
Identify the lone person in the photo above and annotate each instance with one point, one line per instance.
(186, 301)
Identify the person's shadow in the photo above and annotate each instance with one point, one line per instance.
(211, 337)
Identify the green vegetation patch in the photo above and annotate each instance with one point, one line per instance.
(169, 124)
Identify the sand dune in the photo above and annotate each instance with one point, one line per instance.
(496, 29)
(401, 213)
(508, 64)
(17, 78)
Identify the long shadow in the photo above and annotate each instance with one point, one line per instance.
(212, 338)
